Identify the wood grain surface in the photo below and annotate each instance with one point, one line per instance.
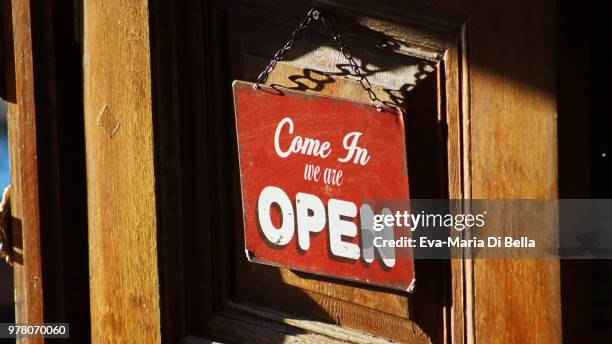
(120, 173)
(28, 279)
(514, 156)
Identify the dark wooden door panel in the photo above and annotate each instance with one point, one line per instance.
(409, 77)
(417, 56)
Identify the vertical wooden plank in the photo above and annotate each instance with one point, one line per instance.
(514, 156)
(124, 287)
(47, 163)
(456, 103)
(24, 174)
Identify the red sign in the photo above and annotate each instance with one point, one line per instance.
(314, 172)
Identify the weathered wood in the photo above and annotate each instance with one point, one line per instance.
(124, 281)
(238, 328)
(329, 309)
(51, 215)
(453, 78)
(304, 329)
(28, 279)
(514, 156)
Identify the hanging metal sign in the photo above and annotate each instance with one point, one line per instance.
(317, 173)
(314, 170)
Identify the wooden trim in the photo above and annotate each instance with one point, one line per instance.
(466, 118)
(28, 278)
(121, 183)
(421, 32)
(456, 103)
(47, 166)
(514, 156)
(249, 323)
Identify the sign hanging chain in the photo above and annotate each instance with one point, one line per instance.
(315, 14)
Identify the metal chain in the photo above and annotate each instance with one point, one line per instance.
(315, 14)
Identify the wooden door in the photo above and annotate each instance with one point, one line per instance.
(248, 299)
(476, 80)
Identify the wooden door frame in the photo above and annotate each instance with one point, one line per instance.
(25, 206)
(42, 83)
